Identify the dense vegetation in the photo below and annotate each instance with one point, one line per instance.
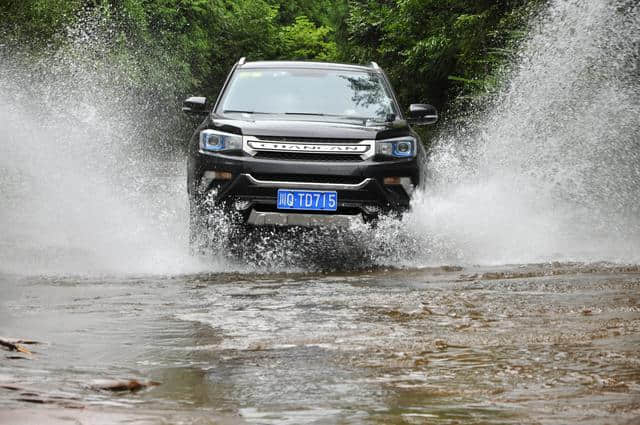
(433, 50)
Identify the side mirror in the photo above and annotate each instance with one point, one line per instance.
(195, 105)
(422, 114)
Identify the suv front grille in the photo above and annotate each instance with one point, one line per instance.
(309, 178)
(307, 139)
(294, 156)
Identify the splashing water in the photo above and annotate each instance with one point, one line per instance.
(88, 183)
(550, 170)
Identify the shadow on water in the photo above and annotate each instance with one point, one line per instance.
(322, 249)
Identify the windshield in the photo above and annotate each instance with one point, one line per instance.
(300, 92)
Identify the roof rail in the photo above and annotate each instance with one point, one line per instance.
(374, 65)
(242, 60)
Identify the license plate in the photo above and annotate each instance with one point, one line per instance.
(307, 200)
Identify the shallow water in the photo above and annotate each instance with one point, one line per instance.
(546, 343)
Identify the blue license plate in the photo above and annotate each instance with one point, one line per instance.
(307, 200)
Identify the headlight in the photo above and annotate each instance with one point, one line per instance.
(217, 141)
(400, 147)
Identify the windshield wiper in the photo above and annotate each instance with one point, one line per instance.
(317, 114)
(235, 111)
(388, 119)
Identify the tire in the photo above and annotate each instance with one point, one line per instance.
(214, 228)
(198, 228)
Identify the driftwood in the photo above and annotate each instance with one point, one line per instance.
(121, 385)
(16, 344)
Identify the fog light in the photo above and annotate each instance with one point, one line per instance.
(217, 175)
(241, 204)
(210, 176)
(405, 182)
(392, 181)
(371, 209)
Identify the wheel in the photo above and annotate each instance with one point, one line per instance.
(214, 227)
(198, 228)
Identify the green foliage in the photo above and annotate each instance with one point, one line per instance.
(434, 51)
(320, 12)
(35, 20)
(303, 40)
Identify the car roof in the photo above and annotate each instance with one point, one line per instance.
(308, 65)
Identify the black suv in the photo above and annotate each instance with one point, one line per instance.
(303, 144)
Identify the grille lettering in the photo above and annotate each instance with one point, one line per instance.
(307, 147)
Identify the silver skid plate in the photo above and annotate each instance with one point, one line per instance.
(307, 220)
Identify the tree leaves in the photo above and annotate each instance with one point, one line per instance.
(303, 40)
(432, 50)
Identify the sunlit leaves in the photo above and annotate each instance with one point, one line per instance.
(303, 40)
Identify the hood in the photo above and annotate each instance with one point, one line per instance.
(311, 129)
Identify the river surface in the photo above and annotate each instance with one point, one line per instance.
(540, 343)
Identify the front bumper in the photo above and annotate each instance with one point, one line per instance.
(255, 182)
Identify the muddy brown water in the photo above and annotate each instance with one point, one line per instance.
(545, 343)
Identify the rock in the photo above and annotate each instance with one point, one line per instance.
(441, 344)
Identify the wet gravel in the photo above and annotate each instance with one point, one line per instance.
(532, 344)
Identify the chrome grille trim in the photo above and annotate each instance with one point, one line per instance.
(306, 156)
(364, 148)
(307, 139)
(306, 185)
(311, 178)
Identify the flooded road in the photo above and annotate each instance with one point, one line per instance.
(545, 343)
